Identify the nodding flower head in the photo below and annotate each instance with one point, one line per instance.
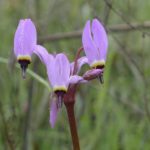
(59, 75)
(58, 69)
(95, 43)
(24, 42)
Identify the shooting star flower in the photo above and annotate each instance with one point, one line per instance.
(95, 43)
(59, 75)
(24, 43)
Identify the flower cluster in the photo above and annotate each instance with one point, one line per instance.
(63, 76)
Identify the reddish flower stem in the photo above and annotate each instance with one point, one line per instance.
(76, 59)
(72, 123)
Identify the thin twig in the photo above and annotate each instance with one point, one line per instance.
(131, 26)
(107, 11)
(134, 108)
(129, 58)
(112, 29)
(146, 103)
(76, 60)
(146, 85)
(140, 73)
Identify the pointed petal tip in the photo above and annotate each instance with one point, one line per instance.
(52, 123)
(53, 112)
(96, 20)
(52, 119)
(88, 22)
(98, 26)
(86, 27)
(62, 56)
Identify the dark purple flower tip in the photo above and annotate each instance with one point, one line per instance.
(95, 43)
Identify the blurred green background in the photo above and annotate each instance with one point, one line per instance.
(112, 116)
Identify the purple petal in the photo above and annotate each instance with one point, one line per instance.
(88, 44)
(92, 74)
(76, 79)
(100, 38)
(61, 71)
(53, 112)
(43, 54)
(49, 62)
(81, 61)
(25, 38)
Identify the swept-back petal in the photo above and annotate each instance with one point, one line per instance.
(100, 38)
(49, 62)
(88, 44)
(80, 62)
(25, 38)
(53, 112)
(62, 70)
(43, 54)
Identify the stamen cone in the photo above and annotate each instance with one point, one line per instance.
(24, 65)
(59, 102)
(101, 79)
(60, 95)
